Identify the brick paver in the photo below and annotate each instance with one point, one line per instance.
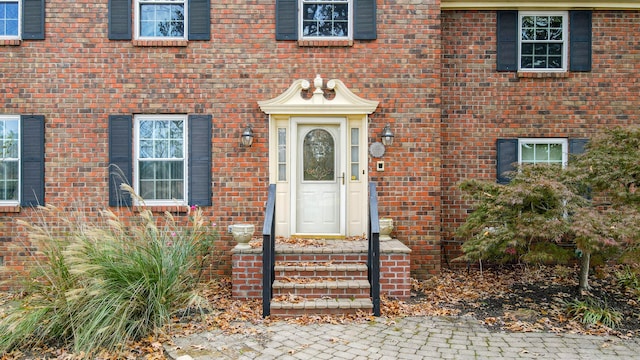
(405, 338)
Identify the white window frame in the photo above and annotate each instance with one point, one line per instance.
(136, 167)
(350, 20)
(565, 39)
(136, 19)
(17, 201)
(545, 141)
(19, 35)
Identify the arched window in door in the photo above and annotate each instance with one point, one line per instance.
(318, 156)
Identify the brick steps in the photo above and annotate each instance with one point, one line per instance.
(320, 307)
(313, 289)
(324, 280)
(324, 277)
(355, 271)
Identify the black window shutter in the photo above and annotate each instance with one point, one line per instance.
(286, 19)
(507, 155)
(32, 160)
(199, 20)
(120, 158)
(33, 19)
(364, 15)
(507, 37)
(580, 40)
(119, 19)
(199, 159)
(577, 146)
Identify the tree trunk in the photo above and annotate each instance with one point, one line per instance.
(584, 271)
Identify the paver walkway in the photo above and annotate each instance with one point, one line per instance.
(405, 338)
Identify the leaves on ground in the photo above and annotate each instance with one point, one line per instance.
(516, 299)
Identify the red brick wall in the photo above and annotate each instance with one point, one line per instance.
(480, 105)
(76, 77)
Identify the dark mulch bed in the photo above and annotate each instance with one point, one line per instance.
(531, 298)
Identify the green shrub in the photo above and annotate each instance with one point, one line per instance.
(102, 285)
(592, 311)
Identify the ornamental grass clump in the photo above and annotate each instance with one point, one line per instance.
(103, 285)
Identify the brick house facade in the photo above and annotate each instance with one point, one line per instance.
(81, 78)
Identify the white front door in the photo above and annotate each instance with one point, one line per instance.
(320, 178)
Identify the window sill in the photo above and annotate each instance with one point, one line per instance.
(161, 209)
(325, 43)
(160, 43)
(15, 42)
(10, 208)
(542, 74)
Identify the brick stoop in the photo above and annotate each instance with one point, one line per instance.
(322, 277)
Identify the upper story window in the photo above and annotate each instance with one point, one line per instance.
(155, 21)
(9, 19)
(160, 19)
(543, 41)
(160, 159)
(326, 19)
(9, 160)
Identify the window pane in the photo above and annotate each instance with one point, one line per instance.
(542, 34)
(555, 152)
(160, 149)
(341, 12)
(282, 154)
(163, 190)
(161, 129)
(355, 153)
(528, 34)
(177, 190)
(177, 170)
(556, 34)
(282, 145)
(146, 149)
(554, 62)
(528, 21)
(555, 49)
(147, 189)
(542, 21)
(542, 152)
(9, 18)
(175, 149)
(341, 29)
(147, 170)
(9, 180)
(146, 129)
(526, 153)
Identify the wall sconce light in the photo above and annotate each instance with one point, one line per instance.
(387, 135)
(246, 139)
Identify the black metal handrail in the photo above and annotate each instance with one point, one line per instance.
(373, 254)
(268, 251)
